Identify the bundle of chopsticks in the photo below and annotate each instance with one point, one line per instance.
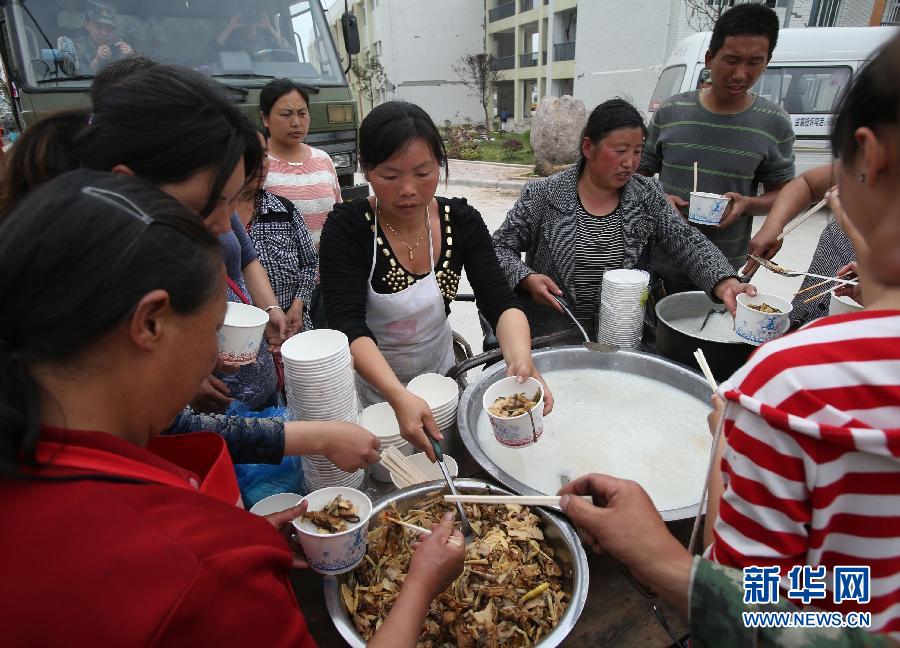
(405, 471)
(842, 280)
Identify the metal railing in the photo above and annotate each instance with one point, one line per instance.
(528, 60)
(564, 51)
(502, 11)
(504, 62)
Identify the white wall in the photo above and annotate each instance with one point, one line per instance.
(605, 66)
(420, 42)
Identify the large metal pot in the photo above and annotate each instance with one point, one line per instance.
(558, 533)
(724, 358)
(574, 357)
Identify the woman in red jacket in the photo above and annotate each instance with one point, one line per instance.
(108, 326)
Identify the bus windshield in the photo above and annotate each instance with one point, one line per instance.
(246, 41)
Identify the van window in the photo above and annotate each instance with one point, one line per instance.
(669, 84)
(804, 90)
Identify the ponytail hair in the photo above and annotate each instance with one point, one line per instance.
(76, 257)
(45, 150)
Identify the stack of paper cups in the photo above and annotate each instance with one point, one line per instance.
(623, 298)
(442, 395)
(321, 386)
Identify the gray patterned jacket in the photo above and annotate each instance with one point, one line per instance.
(542, 224)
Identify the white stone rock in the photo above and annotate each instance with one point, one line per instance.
(556, 129)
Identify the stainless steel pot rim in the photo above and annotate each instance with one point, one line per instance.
(472, 392)
(580, 569)
(678, 297)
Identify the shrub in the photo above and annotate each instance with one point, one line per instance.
(510, 147)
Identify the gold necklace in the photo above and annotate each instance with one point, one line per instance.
(410, 248)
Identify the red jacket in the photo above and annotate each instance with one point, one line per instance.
(100, 563)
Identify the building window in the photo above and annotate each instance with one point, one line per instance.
(824, 13)
(376, 46)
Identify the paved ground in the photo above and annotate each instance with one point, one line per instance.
(494, 203)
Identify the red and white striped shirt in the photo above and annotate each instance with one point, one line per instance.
(312, 186)
(812, 464)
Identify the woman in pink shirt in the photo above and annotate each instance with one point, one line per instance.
(297, 171)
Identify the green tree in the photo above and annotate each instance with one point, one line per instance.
(479, 74)
(369, 76)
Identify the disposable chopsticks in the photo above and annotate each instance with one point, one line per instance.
(799, 220)
(419, 529)
(707, 372)
(524, 500)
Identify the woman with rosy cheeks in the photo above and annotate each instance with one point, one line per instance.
(599, 216)
(299, 172)
(391, 265)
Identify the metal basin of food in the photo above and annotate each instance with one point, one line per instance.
(558, 534)
(636, 363)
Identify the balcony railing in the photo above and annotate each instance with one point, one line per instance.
(526, 5)
(528, 60)
(502, 11)
(564, 51)
(504, 62)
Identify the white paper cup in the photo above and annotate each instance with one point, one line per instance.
(431, 470)
(756, 327)
(842, 305)
(276, 503)
(707, 208)
(242, 333)
(335, 553)
(516, 431)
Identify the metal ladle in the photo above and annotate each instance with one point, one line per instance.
(588, 344)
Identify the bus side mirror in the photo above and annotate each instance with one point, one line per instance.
(351, 33)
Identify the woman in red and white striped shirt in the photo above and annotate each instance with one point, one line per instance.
(812, 421)
(297, 171)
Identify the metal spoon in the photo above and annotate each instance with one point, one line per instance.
(466, 527)
(711, 311)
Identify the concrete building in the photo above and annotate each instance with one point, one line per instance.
(599, 49)
(418, 42)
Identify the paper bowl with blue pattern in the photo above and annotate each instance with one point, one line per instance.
(707, 208)
(516, 431)
(757, 327)
(335, 553)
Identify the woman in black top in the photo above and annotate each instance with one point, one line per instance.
(391, 264)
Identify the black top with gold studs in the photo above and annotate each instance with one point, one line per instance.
(345, 255)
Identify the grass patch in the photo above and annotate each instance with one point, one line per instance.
(502, 148)
(467, 142)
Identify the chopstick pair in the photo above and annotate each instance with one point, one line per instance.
(797, 222)
(524, 500)
(413, 527)
(707, 372)
(840, 280)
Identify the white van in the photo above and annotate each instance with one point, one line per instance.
(809, 69)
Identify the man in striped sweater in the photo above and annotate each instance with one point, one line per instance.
(739, 140)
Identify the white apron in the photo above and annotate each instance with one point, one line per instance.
(411, 327)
